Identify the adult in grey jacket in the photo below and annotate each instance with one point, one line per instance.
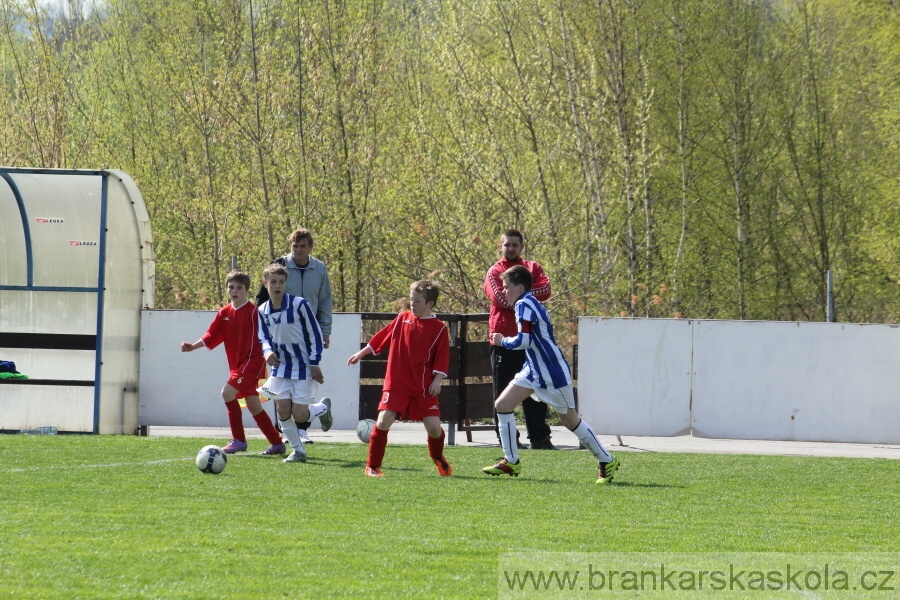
(307, 277)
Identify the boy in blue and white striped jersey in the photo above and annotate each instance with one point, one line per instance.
(545, 375)
(292, 345)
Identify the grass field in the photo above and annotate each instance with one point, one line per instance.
(132, 517)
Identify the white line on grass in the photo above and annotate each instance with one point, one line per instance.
(124, 464)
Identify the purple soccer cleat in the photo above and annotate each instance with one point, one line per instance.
(274, 450)
(235, 446)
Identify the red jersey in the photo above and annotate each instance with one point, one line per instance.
(237, 329)
(417, 349)
(502, 318)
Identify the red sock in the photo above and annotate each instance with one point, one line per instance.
(264, 422)
(377, 445)
(436, 446)
(236, 420)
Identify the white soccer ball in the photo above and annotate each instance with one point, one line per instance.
(211, 459)
(364, 430)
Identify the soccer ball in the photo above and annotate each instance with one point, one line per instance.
(364, 430)
(211, 459)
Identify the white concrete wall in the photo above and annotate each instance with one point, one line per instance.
(184, 389)
(634, 375)
(833, 382)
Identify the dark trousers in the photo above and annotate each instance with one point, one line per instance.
(504, 366)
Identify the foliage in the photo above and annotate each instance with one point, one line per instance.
(665, 158)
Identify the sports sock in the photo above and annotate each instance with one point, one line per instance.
(289, 428)
(315, 410)
(590, 441)
(236, 420)
(264, 422)
(377, 445)
(507, 424)
(436, 446)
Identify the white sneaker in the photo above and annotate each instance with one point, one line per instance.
(296, 457)
(304, 436)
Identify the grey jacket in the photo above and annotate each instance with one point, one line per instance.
(311, 283)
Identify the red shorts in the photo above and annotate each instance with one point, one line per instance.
(245, 386)
(412, 408)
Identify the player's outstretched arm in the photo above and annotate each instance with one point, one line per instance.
(189, 347)
(356, 357)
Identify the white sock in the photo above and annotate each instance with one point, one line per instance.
(507, 425)
(317, 409)
(289, 429)
(590, 441)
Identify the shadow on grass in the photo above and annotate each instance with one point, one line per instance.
(340, 462)
(617, 483)
(525, 480)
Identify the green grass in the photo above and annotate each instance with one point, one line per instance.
(129, 517)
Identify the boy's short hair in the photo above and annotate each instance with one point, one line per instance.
(514, 233)
(428, 288)
(274, 269)
(518, 275)
(238, 276)
(300, 235)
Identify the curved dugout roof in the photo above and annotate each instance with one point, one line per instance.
(76, 267)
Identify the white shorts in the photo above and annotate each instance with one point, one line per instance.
(561, 399)
(298, 391)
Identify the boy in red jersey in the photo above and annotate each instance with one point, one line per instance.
(418, 359)
(235, 325)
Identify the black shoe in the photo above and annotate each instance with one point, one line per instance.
(542, 444)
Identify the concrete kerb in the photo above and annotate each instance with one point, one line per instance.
(414, 433)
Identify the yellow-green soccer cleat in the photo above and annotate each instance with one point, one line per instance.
(605, 471)
(504, 467)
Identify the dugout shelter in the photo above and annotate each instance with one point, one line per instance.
(76, 268)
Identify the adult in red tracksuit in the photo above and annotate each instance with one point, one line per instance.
(506, 363)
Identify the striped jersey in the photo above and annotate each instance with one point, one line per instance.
(417, 349)
(236, 328)
(292, 333)
(545, 365)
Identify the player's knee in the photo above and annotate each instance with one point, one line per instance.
(385, 419)
(433, 427)
(569, 419)
(506, 403)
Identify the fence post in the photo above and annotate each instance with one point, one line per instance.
(829, 302)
